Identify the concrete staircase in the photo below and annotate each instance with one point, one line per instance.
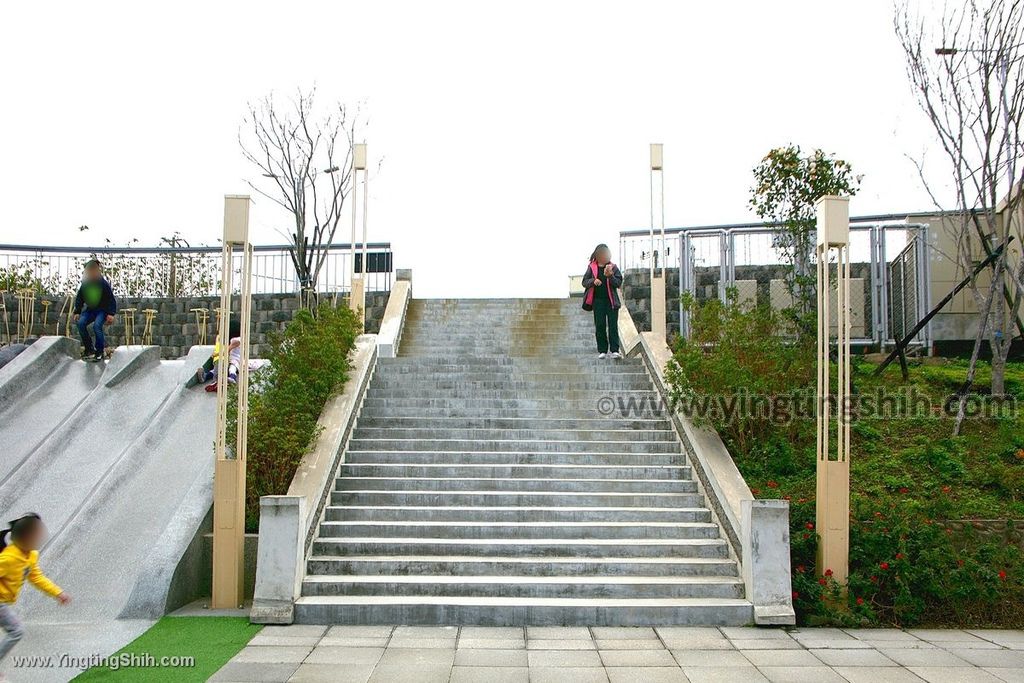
(483, 485)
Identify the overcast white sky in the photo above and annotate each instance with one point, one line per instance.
(514, 135)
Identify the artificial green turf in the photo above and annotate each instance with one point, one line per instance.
(211, 641)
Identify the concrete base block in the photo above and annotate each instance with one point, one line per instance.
(766, 562)
(280, 558)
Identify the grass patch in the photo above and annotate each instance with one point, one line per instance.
(209, 641)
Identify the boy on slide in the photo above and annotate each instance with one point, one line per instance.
(95, 306)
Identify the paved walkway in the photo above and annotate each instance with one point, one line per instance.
(425, 654)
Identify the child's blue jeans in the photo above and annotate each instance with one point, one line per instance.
(96, 319)
(11, 625)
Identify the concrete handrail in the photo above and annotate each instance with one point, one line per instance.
(288, 523)
(757, 530)
(391, 326)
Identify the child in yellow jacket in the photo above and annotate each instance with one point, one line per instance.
(20, 561)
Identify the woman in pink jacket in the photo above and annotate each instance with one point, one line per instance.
(601, 285)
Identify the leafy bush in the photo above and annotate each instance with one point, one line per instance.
(309, 363)
(736, 353)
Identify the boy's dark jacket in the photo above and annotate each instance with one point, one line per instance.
(612, 283)
(96, 295)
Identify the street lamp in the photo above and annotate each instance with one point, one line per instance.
(357, 293)
(658, 323)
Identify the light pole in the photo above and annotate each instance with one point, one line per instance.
(229, 468)
(832, 504)
(357, 295)
(658, 324)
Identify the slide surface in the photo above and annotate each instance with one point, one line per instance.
(117, 458)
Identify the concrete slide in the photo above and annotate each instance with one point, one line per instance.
(117, 458)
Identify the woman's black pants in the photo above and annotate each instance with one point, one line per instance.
(606, 325)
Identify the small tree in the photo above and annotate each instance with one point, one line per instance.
(966, 69)
(294, 150)
(786, 187)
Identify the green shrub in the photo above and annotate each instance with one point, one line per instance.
(309, 363)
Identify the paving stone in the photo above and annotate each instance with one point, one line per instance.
(937, 635)
(298, 641)
(919, 657)
(408, 673)
(425, 657)
(647, 674)
(876, 674)
(426, 632)
(558, 632)
(851, 644)
(688, 658)
(767, 644)
(346, 641)
(560, 645)
(568, 675)
(637, 658)
(699, 644)
(754, 633)
(490, 658)
(564, 658)
(273, 654)
(331, 673)
(978, 644)
(801, 674)
(953, 674)
(345, 655)
(724, 674)
(623, 633)
(254, 672)
(492, 632)
(421, 643)
(1008, 675)
(1009, 659)
(490, 674)
(900, 644)
(819, 634)
(643, 644)
(359, 631)
(879, 634)
(492, 643)
(294, 631)
(761, 658)
(851, 658)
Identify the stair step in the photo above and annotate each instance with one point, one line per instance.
(515, 513)
(491, 471)
(515, 445)
(527, 586)
(596, 498)
(604, 425)
(487, 434)
(383, 609)
(514, 458)
(514, 485)
(518, 565)
(517, 530)
(572, 547)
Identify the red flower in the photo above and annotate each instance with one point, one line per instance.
(822, 581)
(884, 566)
(899, 556)
(795, 595)
(801, 500)
(755, 491)
(903, 489)
(787, 498)
(860, 601)
(800, 569)
(806, 536)
(874, 579)
(1002, 575)
(773, 484)
(828, 572)
(810, 526)
(946, 489)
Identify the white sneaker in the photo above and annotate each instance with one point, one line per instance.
(615, 355)
(602, 356)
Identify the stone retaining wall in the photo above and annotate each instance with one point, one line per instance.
(174, 326)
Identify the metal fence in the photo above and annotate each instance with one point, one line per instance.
(185, 271)
(888, 295)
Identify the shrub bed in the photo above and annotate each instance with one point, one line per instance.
(909, 476)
